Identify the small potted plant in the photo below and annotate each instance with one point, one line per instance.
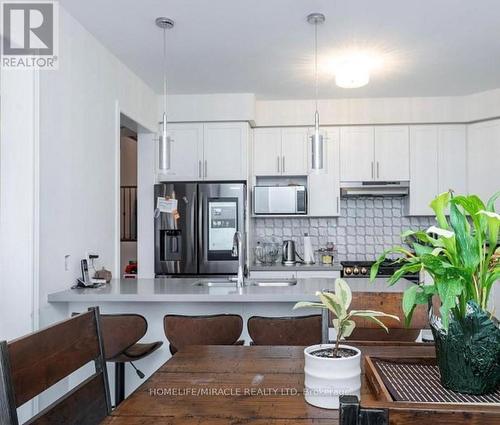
(460, 254)
(332, 370)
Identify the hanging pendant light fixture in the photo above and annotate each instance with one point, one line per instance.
(317, 143)
(164, 159)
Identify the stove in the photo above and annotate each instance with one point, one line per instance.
(361, 269)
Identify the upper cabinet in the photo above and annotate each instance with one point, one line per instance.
(294, 151)
(392, 153)
(212, 151)
(374, 153)
(483, 151)
(267, 151)
(225, 151)
(357, 153)
(186, 151)
(437, 164)
(280, 151)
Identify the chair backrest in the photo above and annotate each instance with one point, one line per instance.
(121, 331)
(388, 302)
(299, 330)
(219, 329)
(33, 363)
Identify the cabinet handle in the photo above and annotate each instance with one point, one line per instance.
(283, 168)
(278, 163)
(378, 170)
(372, 171)
(199, 168)
(206, 168)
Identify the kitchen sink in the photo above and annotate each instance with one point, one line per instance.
(231, 284)
(274, 283)
(216, 283)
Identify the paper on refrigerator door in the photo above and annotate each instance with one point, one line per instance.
(166, 205)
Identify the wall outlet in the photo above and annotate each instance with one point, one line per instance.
(66, 262)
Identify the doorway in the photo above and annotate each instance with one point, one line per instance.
(128, 198)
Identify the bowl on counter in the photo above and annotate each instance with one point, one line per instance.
(267, 252)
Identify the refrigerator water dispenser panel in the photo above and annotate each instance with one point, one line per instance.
(171, 245)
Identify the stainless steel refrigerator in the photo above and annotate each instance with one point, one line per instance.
(195, 225)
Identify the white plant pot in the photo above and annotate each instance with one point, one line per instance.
(326, 379)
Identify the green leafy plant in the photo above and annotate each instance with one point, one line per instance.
(338, 303)
(458, 253)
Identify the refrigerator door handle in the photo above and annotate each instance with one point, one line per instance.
(201, 254)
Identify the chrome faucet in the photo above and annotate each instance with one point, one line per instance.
(237, 251)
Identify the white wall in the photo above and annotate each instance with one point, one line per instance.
(79, 148)
(18, 203)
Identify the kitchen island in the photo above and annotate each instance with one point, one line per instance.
(154, 298)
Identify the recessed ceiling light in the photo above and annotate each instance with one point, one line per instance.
(351, 74)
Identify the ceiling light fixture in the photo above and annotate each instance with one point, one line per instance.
(317, 145)
(164, 161)
(352, 74)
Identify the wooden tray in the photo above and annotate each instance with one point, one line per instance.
(410, 390)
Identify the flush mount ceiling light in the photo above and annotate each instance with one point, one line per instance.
(352, 73)
(317, 143)
(164, 159)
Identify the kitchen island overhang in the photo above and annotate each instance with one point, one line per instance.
(186, 290)
(155, 298)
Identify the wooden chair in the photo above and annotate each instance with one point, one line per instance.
(298, 330)
(120, 333)
(33, 363)
(388, 302)
(219, 329)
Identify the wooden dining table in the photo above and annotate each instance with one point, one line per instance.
(257, 385)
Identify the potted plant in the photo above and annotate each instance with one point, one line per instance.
(460, 255)
(332, 370)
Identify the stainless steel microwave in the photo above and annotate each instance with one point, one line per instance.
(279, 200)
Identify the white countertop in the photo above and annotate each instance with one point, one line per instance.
(184, 291)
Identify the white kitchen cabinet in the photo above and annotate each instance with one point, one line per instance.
(392, 153)
(452, 163)
(294, 151)
(208, 151)
(424, 184)
(186, 151)
(280, 151)
(324, 189)
(483, 151)
(267, 151)
(374, 153)
(356, 153)
(224, 151)
(437, 164)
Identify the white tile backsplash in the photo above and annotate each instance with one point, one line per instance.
(366, 227)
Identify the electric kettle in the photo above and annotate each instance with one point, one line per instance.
(289, 256)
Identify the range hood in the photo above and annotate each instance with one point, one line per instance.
(385, 188)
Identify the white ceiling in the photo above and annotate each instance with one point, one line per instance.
(426, 48)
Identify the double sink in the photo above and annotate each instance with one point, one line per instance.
(226, 283)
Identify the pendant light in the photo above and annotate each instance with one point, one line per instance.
(164, 159)
(317, 143)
